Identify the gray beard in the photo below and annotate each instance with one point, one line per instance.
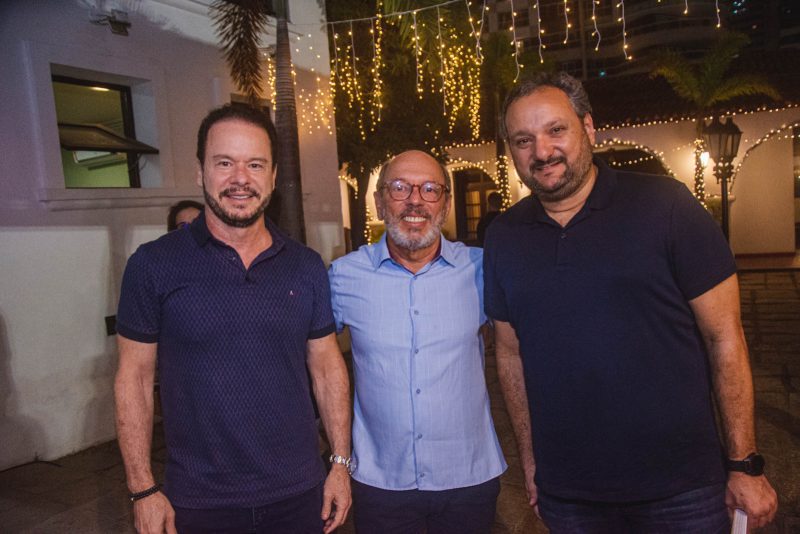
(414, 241)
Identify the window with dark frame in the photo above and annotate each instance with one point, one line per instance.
(97, 134)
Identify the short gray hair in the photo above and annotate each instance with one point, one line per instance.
(571, 86)
(385, 168)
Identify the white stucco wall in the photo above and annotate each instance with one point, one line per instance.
(64, 250)
(761, 216)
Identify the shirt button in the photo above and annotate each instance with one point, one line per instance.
(422, 475)
(416, 312)
(416, 351)
(419, 436)
(564, 235)
(419, 391)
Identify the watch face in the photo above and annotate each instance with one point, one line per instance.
(755, 464)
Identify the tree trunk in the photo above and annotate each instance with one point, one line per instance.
(500, 154)
(288, 188)
(699, 170)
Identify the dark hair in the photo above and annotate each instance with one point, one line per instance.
(385, 168)
(178, 207)
(495, 200)
(571, 86)
(240, 112)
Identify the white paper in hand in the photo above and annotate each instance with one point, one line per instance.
(739, 522)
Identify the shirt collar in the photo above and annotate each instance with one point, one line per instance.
(202, 235)
(381, 252)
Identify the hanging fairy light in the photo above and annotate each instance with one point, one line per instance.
(567, 24)
(477, 34)
(621, 5)
(514, 42)
(594, 20)
(539, 30)
(377, 67)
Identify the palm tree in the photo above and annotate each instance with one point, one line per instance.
(708, 83)
(240, 23)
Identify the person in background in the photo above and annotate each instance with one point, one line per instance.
(182, 213)
(494, 203)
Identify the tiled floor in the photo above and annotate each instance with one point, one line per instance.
(85, 492)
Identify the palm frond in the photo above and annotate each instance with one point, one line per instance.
(719, 58)
(239, 23)
(744, 85)
(679, 73)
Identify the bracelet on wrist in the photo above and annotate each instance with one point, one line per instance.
(146, 493)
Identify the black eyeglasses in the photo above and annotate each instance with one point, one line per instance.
(429, 191)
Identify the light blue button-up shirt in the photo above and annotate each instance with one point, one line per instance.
(421, 410)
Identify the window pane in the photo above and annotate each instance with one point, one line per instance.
(79, 103)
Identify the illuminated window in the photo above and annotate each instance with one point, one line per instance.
(97, 134)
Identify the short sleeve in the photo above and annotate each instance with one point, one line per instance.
(139, 311)
(494, 297)
(335, 303)
(701, 258)
(322, 316)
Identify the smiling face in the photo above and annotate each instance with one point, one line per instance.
(237, 174)
(413, 224)
(550, 145)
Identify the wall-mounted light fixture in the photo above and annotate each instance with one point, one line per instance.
(117, 20)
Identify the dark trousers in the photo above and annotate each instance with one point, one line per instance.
(467, 510)
(700, 511)
(295, 515)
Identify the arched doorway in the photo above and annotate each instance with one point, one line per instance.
(471, 187)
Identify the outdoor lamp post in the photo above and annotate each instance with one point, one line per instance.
(722, 141)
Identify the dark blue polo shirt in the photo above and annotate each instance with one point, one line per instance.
(239, 425)
(615, 368)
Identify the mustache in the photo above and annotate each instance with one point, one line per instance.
(234, 190)
(539, 164)
(416, 211)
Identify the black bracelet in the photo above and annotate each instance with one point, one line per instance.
(146, 493)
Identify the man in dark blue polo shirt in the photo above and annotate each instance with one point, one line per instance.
(233, 311)
(616, 307)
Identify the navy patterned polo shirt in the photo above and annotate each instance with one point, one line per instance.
(239, 424)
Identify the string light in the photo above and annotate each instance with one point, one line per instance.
(417, 54)
(686, 7)
(478, 53)
(716, 6)
(596, 30)
(567, 24)
(773, 133)
(539, 30)
(621, 5)
(377, 68)
(514, 42)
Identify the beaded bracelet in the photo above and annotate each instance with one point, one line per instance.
(146, 493)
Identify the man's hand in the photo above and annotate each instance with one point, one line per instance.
(528, 472)
(154, 515)
(336, 499)
(754, 495)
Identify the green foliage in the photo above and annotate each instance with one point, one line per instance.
(239, 26)
(708, 82)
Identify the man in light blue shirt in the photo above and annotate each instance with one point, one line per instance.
(427, 456)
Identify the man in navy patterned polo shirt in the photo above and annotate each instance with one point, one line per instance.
(233, 311)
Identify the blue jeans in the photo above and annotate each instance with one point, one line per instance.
(700, 511)
(467, 510)
(300, 514)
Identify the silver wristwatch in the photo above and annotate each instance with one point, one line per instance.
(348, 462)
